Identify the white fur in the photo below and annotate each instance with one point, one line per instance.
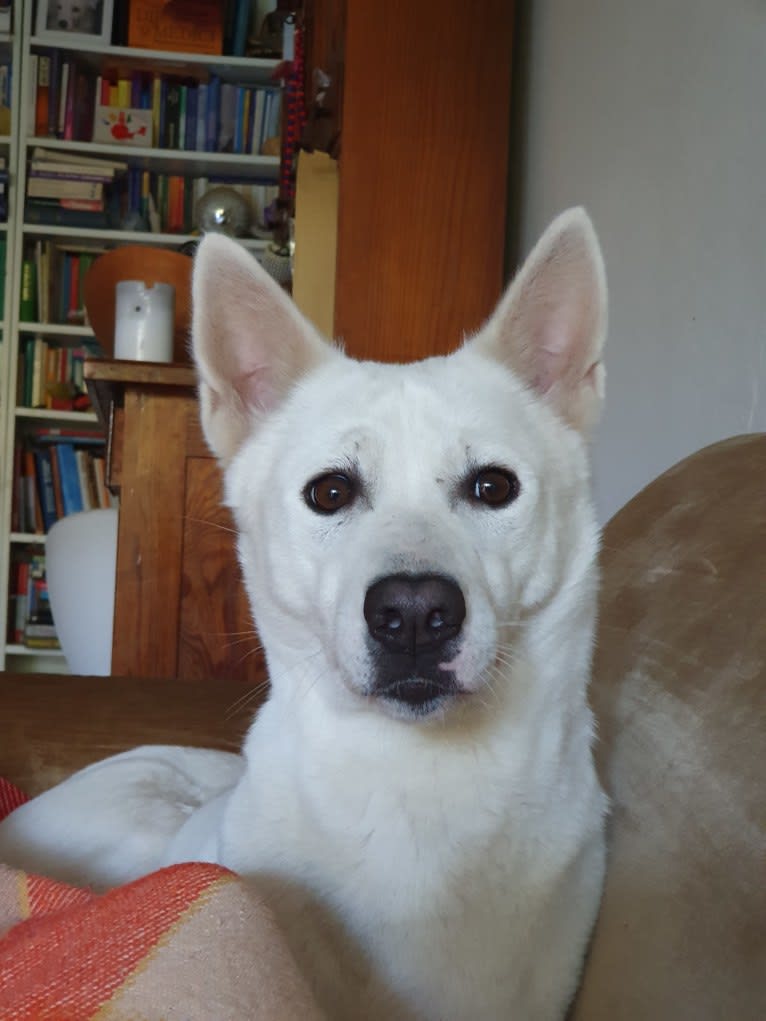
(445, 865)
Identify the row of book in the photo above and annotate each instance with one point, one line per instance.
(168, 202)
(30, 618)
(207, 114)
(71, 190)
(57, 472)
(52, 279)
(51, 376)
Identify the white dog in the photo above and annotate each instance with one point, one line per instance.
(417, 799)
(72, 15)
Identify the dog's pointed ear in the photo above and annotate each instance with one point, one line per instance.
(250, 343)
(550, 326)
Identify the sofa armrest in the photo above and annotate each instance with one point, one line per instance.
(55, 724)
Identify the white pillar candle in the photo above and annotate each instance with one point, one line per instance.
(144, 320)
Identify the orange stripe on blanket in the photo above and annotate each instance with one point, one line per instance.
(68, 964)
(46, 897)
(10, 797)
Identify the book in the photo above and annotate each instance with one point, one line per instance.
(63, 187)
(240, 28)
(87, 481)
(105, 498)
(57, 215)
(28, 299)
(227, 117)
(54, 435)
(51, 128)
(42, 97)
(212, 113)
(34, 61)
(17, 496)
(45, 487)
(172, 116)
(195, 26)
(71, 171)
(21, 588)
(70, 478)
(57, 490)
(40, 153)
(32, 518)
(3, 249)
(66, 70)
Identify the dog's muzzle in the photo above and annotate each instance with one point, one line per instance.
(415, 622)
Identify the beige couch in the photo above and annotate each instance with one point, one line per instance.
(680, 693)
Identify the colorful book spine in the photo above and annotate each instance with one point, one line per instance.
(28, 301)
(70, 478)
(45, 487)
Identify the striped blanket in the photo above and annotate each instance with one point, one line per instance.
(189, 942)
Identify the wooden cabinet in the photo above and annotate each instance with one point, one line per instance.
(180, 606)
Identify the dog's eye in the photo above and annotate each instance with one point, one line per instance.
(495, 487)
(328, 493)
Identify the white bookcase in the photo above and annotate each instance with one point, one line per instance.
(17, 148)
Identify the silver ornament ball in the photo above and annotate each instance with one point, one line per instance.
(224, 211)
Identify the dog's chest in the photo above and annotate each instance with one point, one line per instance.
(427, 903)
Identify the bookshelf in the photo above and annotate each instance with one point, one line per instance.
(92, 57)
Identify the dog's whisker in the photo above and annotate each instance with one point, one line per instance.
(249, 654)
(211, 524)
(247, 699)
(247, 638)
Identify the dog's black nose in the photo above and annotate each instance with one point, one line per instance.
(412, 613)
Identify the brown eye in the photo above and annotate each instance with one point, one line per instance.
(495, 487)
(328, 493)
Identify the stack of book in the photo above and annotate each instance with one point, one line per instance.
(69, 189)
(31, 620)
(57, 472)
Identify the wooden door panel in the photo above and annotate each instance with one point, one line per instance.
(216, 636)
(149, 535)
(423, 174)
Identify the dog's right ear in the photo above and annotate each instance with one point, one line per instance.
(250, 343)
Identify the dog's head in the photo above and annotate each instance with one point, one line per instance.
(410, 533)
(72, 15)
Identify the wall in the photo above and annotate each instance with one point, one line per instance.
(653, 115)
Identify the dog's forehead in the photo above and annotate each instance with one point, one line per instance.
(446, 407)
(439, 390)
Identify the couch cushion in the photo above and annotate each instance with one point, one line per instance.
(679, 690)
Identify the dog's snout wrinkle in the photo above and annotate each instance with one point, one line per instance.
(410, 613)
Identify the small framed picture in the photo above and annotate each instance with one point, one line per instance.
(74, 21)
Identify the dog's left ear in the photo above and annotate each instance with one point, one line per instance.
(550, 326)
